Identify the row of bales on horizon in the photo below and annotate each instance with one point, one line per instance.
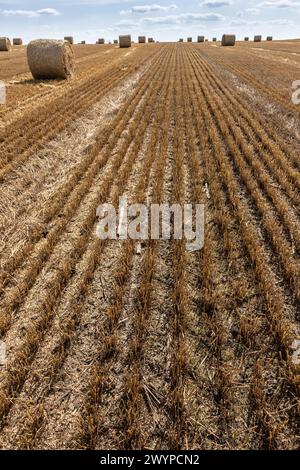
(52, 58)
(126, 41)
(227, 39)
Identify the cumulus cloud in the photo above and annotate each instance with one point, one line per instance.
(279, 4)
(185, 18)
(253, 11)
(149, 8)
(31, 13)
(216, 3)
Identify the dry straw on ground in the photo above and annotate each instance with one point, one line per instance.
(125, 41)
(17, 42)
(50, 58)
(70, 39)
(5, 44)
(228, 40)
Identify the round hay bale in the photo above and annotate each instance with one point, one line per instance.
(70, 39)
(101, 41)
(116, 41)
(50, 58)
(201, 39)
(125, 41)
(246, 39)
(142, 39)
(269, 38)
(5, 44)
(257, 38)
(181, 40)
(214, 39)
(228, 40)
(17, 42)
(189, 39)
(83, 42)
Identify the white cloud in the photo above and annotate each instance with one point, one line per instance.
(149, 9)
(185, 18)
(216, 3)
(253, 11)
(31, 13)
(279, 4)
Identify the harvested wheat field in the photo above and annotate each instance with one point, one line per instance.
(119, 345)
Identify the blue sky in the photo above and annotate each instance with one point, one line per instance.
(163, 19)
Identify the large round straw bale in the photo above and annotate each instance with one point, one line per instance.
(228, 40)
(5, 44)
(246, 39)
(101, 41)
(257, 38)
(83, 42)
(125, 40)
(50, 58)
(17, 42)
(214, 39)
(116, 41)
(201, 39)
(189, 39)
(70, 39)
(181, 40)
(269, 38)
(142, 39)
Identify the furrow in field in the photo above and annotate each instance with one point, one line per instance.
(92, 249)
(276, 303)
(16, 147)
(37, 313)
(246, 332)
(277, 215)
(31, 254)
(280, 160)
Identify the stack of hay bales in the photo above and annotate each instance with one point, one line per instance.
(50, 58)
(201, 39)
(5, 44)
(17, 42)
(125, 41)
(228, 40)
(189, 39)
(142, 39)
(246, 39)
(269, 38)
(257, 38)
(70, 39)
